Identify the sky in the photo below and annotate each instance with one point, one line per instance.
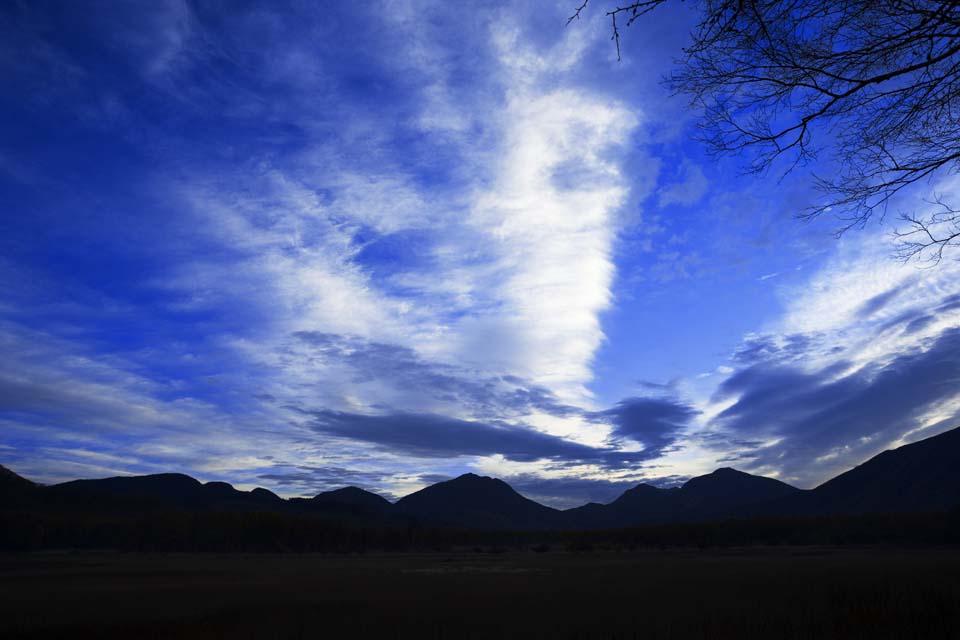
(302, 246)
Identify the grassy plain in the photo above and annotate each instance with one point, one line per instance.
(748, 593)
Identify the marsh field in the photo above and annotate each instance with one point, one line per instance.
(731, 593)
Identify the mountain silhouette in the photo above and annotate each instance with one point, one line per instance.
(265, 496)
(14, 489)
(173, 487)
(644, 503)
(225, 495)
(348, 502)
(353, 496)
(477, 501)
(714, 495)
(11, 481)
(726, 490)
(163, 489)
(919, 477)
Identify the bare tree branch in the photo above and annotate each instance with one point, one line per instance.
(873, 86)
(579, 10)
(925, 238)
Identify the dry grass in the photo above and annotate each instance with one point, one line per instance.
(749, 593)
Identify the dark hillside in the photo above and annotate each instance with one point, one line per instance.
(477, 501)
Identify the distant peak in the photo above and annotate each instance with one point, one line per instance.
(172, 477)
(152, 478)
(350, 489)
(8, 476)
(728, 471)
(729, 481)
(723, 475)
(472, 476)
(644, 486)
(350, 495)
(260, 492)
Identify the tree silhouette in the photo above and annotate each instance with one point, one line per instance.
(878, 82)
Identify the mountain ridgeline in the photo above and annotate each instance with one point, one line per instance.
(478, 501)
(923, 477)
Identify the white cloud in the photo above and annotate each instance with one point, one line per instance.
(689, 189)
(853, 303)
(545, 225)
(509, 284)
(520, 266)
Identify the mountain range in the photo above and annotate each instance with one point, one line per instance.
(919, 477)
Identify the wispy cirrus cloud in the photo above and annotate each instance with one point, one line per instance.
(865, 357)
(451, 265)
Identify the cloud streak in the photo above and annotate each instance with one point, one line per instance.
(866, 357)
(820, 421)
(433, 436)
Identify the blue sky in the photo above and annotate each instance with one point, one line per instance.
(301, 247)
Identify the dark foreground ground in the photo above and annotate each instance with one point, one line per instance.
(750, 593)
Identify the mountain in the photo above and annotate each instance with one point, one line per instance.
(643, 503)
(225, 495)
(715, 495)
(918, 477)
(727, 490)
(13, 482)
(265, 496)
(163, 489)
(14, 489)
(477, 501)
(347, 502)
(353, 496)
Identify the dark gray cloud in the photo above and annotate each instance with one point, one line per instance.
(907, 319)
(826, 423)
(738, 448)
(881, 300)
(950, 303)
(656, 423)
(434, 478)
(497, 403)
(401, 368)
(434, 436)
(918, 324)
(659, 387)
